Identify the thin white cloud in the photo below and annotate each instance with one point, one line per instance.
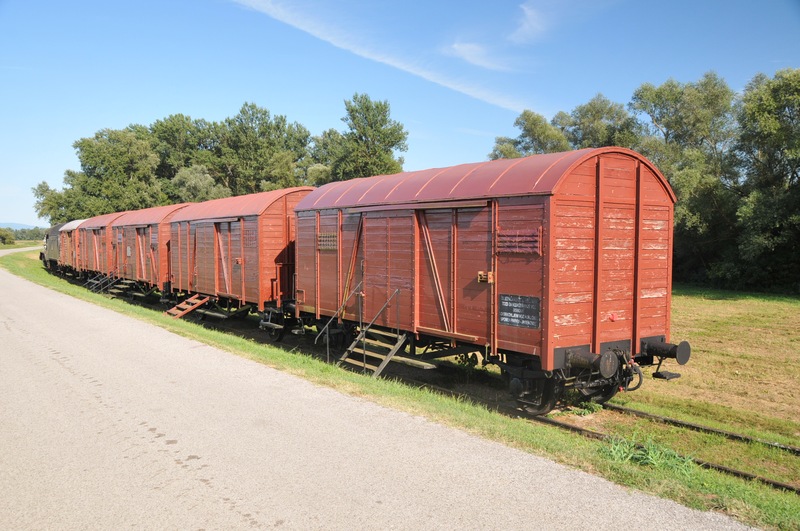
(344, 40)
(532, 25)
(477, 55)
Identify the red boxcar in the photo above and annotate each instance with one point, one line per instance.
(553, 266)
(68, 248)
(96, 253)
(238, 249)
(141, 243)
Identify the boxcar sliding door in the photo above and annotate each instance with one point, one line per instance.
(229, 246)
(455, 272)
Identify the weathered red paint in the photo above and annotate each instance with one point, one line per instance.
(68, 248)
(237, 248)
(96, 254)
(531, 255)
(140, 240)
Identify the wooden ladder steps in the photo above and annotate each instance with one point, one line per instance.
(189, 305)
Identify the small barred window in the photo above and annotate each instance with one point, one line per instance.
(326, 241)
(526, 241)
(250, 238)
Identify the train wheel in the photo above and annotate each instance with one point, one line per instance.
(276, 334)
(602, 395)
(547, 399)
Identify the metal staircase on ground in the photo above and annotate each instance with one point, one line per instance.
(187, 306)
(101, 282)
(122, 288)
(373, 349)
(374, 344)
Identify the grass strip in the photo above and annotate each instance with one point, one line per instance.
(655, 470)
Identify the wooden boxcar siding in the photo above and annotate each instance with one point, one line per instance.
(180, 270)
(251, 263)
(134, 256)
(328, 251)
(388, 243)
(571, 260)
(655, 258)
(520, 271)
(228, 248)
(350, 259)
(68, 249)
(472, 254)
(204, 258)
(306, 252)
(435, 269)
(432, 256)
(611, 238)
(96, 251)
(163, 275)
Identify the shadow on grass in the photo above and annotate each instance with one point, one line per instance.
(714, 294)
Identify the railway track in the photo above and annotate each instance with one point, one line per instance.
(703, 429)
(515, 411)
(700, 462)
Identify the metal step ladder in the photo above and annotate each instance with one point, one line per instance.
(121, 288)
(373, 349)
(374, 346)
(189, 305)
(101, 282)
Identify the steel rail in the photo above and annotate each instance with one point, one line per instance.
(700, 428)
(705, 464)
(518, 412)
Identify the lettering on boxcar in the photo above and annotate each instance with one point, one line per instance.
(520, 311)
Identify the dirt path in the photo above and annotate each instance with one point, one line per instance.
(108, 422)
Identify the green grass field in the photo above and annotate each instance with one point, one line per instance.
(20, 244)
(741, 377)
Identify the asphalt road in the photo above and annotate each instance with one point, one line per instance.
(107, 422)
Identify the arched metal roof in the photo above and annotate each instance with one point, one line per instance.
(71, 225)
(101, 221)
(237, 206)
(147, 216)
(534, 175)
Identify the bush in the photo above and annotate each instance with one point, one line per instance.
(6, 236)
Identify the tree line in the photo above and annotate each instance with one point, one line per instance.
(8, 235)
(733, 160)
(180, 159)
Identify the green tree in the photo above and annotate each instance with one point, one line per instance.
(598, 123)
(257, 151)
(769, 151)
(195, 184)
(117, 173)
(368, 145)
(689, 132)
(181, 142)
(536, 136)
(6, 236)
(35, 233)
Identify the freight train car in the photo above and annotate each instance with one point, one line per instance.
(555, 267)
(95, 246)
(68, 248)
(237, 251)
(141, 245)
(51, 248)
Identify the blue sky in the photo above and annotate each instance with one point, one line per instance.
(457, 73)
